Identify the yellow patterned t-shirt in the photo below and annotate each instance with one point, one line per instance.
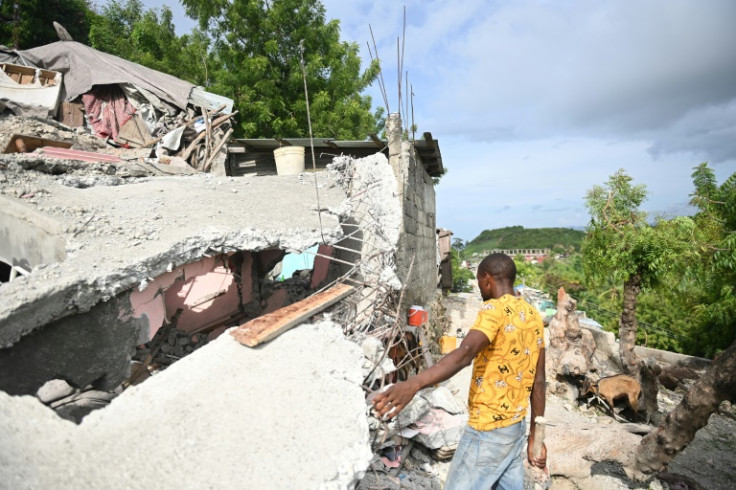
(503, 373)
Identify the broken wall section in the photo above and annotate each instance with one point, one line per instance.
(419, 220)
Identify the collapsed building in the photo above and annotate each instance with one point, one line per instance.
(125, 104)
(121, 274)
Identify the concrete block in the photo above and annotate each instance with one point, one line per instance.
(443, 398)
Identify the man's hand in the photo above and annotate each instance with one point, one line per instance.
(395, 398)
(539, 462)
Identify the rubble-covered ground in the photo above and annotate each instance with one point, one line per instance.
(577, 432)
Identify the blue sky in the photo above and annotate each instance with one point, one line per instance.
(534, 102)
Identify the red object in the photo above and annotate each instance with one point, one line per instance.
(84, 156)
(417, 315)
(107, 110)
(321, 265)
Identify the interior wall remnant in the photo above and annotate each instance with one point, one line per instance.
(209, 292)
(91, 348)
(444, 258)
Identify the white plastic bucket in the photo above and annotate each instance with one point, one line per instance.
(289, 160)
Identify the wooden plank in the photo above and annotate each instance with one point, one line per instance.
(31, 143)
(134, 132)
(187, 123)
(271, 325)
(72, 114)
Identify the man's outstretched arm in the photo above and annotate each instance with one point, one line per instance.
(394, 399)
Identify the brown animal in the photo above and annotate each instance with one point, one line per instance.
(613, 388)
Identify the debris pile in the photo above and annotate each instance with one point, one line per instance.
(425, 434)
(166, 347)
(124, 105)
(71, 403)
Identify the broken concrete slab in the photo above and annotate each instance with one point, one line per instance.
(210, 410)
(119, 237)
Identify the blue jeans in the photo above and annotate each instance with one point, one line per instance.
(489, 459)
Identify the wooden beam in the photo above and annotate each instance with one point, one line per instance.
(271, 325)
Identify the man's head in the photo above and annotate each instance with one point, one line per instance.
(496, 270)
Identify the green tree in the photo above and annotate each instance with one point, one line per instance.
(709, 280)
(260, 44)
(460, 275)
(459, 245)
(148, 37)
(29, 23)
(621, 243)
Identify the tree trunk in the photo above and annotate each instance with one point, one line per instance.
(645, 373)
(627, 326)
(655, 451)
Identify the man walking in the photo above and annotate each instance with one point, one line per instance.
(506, 346)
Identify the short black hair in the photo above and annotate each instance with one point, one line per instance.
(500, 266)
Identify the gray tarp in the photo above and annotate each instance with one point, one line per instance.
(83, 67)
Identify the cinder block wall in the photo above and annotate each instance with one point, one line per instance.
(419, 237)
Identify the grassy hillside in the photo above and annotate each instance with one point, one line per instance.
(520, 237)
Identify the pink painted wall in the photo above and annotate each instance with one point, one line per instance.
(206, 291)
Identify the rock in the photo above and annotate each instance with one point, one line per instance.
(53, 390)
(415, 410)
(570, 348)
(420, 455)
(583, 447)
(439, 428)
(443, 398)
(78, 406)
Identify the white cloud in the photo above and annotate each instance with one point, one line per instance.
(559, 95)
(535, 101)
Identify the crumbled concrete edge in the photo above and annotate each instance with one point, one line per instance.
(290, 413)
(62, 292)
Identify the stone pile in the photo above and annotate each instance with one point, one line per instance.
(167, 346)
(71, 403)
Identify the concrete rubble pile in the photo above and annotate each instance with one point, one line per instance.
(126, 263)
(99, 282)
(208, 421)
(407, 450)
(170, 122)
